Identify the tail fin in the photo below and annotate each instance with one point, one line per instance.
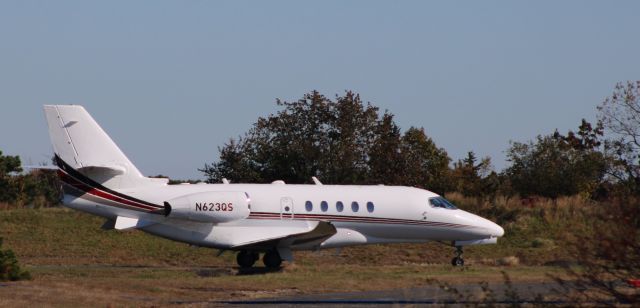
(81, 144)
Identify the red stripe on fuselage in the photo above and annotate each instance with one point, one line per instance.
(69, 180)
(339, 218)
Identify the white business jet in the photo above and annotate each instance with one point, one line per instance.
(274, 219)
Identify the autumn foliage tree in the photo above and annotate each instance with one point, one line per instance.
(341, 141)
(470, 175)
(620, 115)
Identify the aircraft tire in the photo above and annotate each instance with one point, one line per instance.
(246, 259)
(457, 261)
(272, 259)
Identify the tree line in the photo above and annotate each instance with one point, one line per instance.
(343, 140)
(37, 188)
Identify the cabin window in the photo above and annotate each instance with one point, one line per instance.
(339, 206)
(370, 207)
(324, 206)
(354, 206)
(308, 206)
(442, 203)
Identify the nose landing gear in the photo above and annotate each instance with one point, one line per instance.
(457, 260)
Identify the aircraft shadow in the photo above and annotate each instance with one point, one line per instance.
(256, 271)
(236, 271)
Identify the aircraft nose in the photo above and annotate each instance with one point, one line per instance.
(491, 228)
(496, 230)
(483, 227)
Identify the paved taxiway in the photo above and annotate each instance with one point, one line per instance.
(525, 292)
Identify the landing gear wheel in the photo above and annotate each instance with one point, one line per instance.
(457, 260)
(246, 259)
(272, 259)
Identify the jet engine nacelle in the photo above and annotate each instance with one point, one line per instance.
(214, 207)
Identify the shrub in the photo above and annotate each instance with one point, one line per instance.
(9, 268)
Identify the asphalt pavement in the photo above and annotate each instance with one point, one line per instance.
(518, 293)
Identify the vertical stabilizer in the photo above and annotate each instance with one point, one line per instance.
(80, 142)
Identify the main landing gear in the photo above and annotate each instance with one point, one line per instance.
(246, 259)
(271, 259)
(457, 260)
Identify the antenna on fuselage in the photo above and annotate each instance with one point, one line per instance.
(225, 181)
(315, 180)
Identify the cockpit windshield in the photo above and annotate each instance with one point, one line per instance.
(442, 203)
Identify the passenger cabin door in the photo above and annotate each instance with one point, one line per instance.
(286, 208)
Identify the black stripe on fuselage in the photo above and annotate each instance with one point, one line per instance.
(90, 183)
(71, 185)
(78, 191)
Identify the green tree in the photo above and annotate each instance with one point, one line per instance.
(425, 165)
(351, 130)
(341, 141)
(468, 174)
(492, 185)
(557, 165)
(236, 163)
(385, 159)
(37, 188)
(8, 165)
(313, 136)
(476, 179)
(590, 160)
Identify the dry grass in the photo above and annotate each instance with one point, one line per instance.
(59, 236)
(563, 204)
(85, 285)
(75, 263)
(535, 228)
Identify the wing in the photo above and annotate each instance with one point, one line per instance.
(322, 231)
(291, 235)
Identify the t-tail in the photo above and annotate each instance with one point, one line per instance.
(83, 148)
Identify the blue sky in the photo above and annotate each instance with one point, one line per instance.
(171, 81)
